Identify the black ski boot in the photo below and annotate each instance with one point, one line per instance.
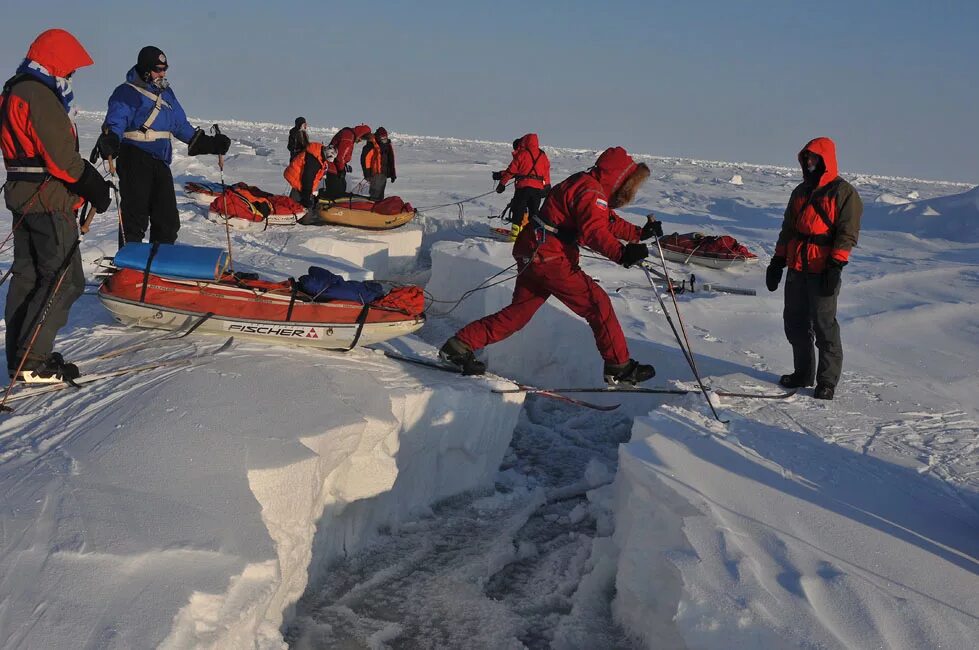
(794, 381)
(631, 372)
(824, 391)
(461, 356)
(52, 370)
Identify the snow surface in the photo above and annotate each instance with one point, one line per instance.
(271, 496)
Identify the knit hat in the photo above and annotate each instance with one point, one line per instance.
(300, 121)
(150, 57)
(381, 132)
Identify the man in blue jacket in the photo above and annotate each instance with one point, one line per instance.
(143, 119)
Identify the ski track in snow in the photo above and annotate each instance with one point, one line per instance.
(517, 566)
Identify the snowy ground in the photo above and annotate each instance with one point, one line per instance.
(275, 494)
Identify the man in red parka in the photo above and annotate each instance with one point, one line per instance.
(577, 211)
(820, 228)
(532, 170)
(47, 182)
(335, 185)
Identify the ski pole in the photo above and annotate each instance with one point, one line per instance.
(224, 192)
(688, 349)
(41, 317)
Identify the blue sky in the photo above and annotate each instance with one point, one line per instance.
(894, 83)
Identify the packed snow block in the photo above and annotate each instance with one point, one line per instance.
(190, 514)
(382, 252)
(772, 538)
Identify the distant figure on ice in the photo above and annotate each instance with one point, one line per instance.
(298, 138)
(343, 142)
(377, 161)
(579, 210)
(306, 170)
(47, 182)
(820, 228)
(532, 169)
(143, 118)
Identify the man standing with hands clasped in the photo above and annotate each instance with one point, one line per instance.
(820, 228)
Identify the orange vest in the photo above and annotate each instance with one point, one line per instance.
(372, 160)
(294, 172)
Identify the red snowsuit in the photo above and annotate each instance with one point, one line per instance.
(344, 141)
(548, 262)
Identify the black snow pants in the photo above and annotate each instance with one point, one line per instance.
(41, 245)
(525, 199)
(148, 198)
(808, 315)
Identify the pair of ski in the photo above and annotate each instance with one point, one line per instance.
(561, 393)
(27, 391)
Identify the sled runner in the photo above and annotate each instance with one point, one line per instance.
(338, 315)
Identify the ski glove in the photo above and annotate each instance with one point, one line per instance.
(93, 188)
(633, 254)
(500, 188)
(108, 145)
(830, 280)
(773, 275)
(203, 144)
(651, 229)
(497, 176)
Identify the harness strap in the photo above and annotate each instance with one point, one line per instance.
(146, 272)
(147, 135)
(564, 236)
(292, 297)
(361, 320)
(158, 103)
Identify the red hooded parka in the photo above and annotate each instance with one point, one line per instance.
(578, 207)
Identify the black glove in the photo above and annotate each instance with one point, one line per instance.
(108, 145)
(633, 253)
(651, 229)
(221, 144)
(547, 188)
(500, 188)
(497, 176)
(348, 169)
(394, 178)
(830, 280)
(773, 274)
(93, 188)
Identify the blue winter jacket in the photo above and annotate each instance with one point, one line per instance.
(128, 110)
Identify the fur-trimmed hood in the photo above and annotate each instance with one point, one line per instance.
(619, 175)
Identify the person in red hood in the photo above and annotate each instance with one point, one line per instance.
(820, 228)
(47, 182)
(532, 169)
(578, 211)
(335, 184)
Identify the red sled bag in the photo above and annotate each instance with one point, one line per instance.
(409, 300)
(241, 204)
(392, 205)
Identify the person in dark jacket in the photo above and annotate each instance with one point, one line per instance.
(305, 172)
(578, 211)
(140, 125)
(820, 228)
(377, 162)
(47, 183)
(298, 138)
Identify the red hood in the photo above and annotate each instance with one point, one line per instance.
(59, 52)
(361, 131)
(825, 148)
(530, 143)
(612, 168)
